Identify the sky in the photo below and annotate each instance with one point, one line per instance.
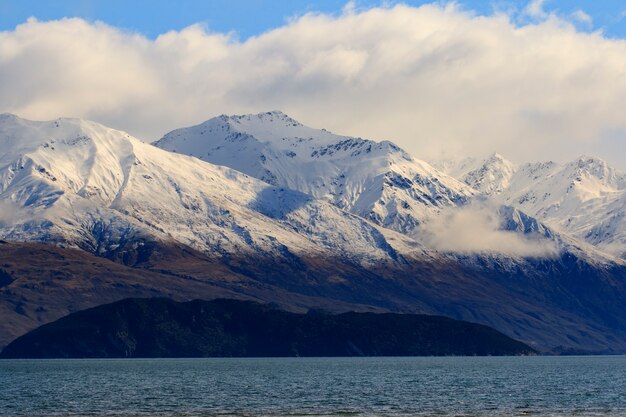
(252, 17)
(533, 80)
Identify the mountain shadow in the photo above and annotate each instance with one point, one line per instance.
(159, 327)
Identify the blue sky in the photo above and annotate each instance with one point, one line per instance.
(435, 80)
(252, 17)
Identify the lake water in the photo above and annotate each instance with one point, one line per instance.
(520, 386)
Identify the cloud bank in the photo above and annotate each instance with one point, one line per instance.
(477, 229)
(434, 79)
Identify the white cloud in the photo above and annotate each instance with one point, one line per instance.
(535, 9)
(350, 7)
(433, 79)
(12, 214)
(582, 17)
(477, 229)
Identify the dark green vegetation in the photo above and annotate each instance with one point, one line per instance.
(159, 327)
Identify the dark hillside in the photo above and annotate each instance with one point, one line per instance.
(160, 327)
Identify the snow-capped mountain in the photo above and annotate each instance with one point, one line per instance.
(78, 182)
(585, 198)
(375, 180)
(493, 176)
(81, 183)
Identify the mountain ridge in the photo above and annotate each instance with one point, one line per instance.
(375, 180)
(585, 198)
(79, 184)
(122, 186)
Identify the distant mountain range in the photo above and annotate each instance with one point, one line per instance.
(585, 198)
(262, 207)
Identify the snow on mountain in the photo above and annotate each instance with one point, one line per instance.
(492, 177)
(456, 167)
(488, 176)
(585, 198)
(78, 182)
(375, 180)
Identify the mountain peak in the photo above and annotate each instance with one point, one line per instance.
(5, 116)
(594, 167)
(492, 176)
(496, 157)
(375, 180)
(10, 117)
(259, 134)
(274, 116)
(587, 161)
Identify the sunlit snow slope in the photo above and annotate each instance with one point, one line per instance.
(585, 198)
(375, 180)
(79, 182)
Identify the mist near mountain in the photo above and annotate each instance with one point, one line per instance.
(585, 197)
(476, 228)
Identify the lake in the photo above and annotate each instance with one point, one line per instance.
(451, 386)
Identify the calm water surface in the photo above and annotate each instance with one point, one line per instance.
(527, 386)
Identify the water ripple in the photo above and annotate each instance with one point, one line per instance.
(319, 387)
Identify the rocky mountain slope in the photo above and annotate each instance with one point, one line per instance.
(83, 184)
(78, 184)
(40, 283)
(563, 304)
(585, 198)
(375, 180)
